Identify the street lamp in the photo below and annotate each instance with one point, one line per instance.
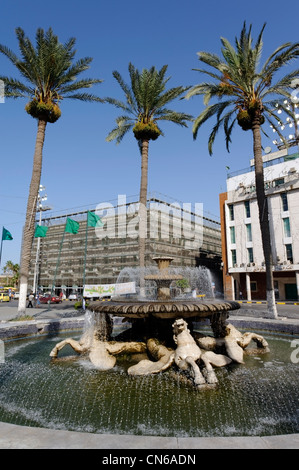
(40, 208)
(290, 123)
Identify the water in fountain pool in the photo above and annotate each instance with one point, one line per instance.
(259, 397)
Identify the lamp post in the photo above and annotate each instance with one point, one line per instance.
(40, 209)
(290, 123)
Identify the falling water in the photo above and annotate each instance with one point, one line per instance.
(198, 278)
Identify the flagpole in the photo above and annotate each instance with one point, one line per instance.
(1, 245)
(58, 261)
(85, 256)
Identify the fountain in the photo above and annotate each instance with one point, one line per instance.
(104, 391)
(162, 333)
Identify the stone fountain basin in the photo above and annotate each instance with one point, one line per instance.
(170, 309)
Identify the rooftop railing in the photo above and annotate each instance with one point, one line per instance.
(275, 161)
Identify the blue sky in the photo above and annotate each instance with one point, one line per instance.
(81, 169)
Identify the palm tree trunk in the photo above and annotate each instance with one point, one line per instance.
(143, 212)
(263, 217)
(28, 233)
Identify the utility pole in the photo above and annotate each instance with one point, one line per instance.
(41, 209)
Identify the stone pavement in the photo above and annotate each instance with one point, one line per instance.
(23, 437)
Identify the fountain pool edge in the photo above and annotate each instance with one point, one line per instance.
(23, 437)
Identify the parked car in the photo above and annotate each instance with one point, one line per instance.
(73, 296)
(16, 295)
(53, 299)
(4, 297)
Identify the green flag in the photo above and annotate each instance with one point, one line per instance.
(71, 226)
(94, 220)
(6, 235)
(40, 231)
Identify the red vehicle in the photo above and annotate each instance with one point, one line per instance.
(53, 299)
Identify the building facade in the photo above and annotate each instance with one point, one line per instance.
(96, 255)
(242, 252)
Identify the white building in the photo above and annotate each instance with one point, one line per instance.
(243, 259)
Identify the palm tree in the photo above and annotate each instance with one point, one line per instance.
(13, 270)
(146, 98)
(246, 95)
(50, 74)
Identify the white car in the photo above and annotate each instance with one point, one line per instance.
(73, 296)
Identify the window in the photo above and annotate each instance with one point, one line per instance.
(249, 232)
(234, 257)
(253, 286)
(286, 226)
(247, 209)
(232, 235)
(284, 201)
(250, 255)
(289, 252)
(278, 182)
(231, 212)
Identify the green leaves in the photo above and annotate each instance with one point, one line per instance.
(146, 98)
(237, 76)
(49, 70)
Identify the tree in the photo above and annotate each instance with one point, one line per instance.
(246, 95)
(50, 75)
(13, 270)
(145, 106)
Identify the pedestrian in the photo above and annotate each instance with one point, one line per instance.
(241, 295)
(37, 300)
(30, 300)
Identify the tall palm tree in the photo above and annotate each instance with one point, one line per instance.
(50, 75)
(146, 98)
(246, 95)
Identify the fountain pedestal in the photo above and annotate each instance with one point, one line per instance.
(164, 278)
(154, 318)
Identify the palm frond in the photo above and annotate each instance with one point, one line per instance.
(211, 59)
(282, 85)
(14, 88)
(118, 133)
(88, 97)
(209, 111)
(224, 121)
(275, 124)
(120, 104)
(78, 85)
(173, 116)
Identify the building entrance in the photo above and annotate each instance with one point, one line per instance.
(290, 291)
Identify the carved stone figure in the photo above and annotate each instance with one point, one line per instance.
(101, 353)
(187, 351)
(234, 343)
(194, 354)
